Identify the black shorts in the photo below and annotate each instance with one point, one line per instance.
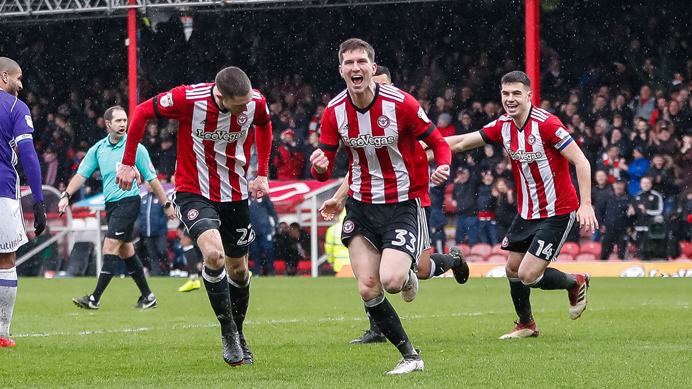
(232, 219)
(121, 216)
(400, 226)
(541, 237)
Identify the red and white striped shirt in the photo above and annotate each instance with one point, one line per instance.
(388, 165)
(213, 144)
(541, 172)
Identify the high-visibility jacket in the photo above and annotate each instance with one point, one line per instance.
(337, 253)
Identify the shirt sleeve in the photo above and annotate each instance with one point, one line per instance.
(416, 119)
(557, 133)
(491, 132)
(89, 163)
(262, 111)
(171, 104)
(23, 124)
(144, 165)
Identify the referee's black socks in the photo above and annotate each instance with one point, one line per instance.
(110, 263)
(136, 271)
(386, 318)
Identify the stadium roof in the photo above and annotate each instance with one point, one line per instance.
(14, 11)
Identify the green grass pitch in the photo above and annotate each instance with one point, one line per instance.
(636, 333)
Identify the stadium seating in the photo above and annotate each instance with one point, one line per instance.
(591, 247)
(304, 267)
(570, 248)
(280, 266)
(474, 258)
(465, 249)
(497, 249)
(585, 257)
(498, 258)
(482, 249)
(565, 257)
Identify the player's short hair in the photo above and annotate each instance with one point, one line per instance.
(356, 44)
(233, 82)
(108, 115)
(516, 76)
(8, 65)
(383, 70)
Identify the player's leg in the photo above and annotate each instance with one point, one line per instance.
(525, 325)
(237, 235)
(546, 244)
(201, 219)
(8, 296)
(135, 269)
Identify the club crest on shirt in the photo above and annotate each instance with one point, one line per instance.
(192, 215)
(532, 139)
(422, 115)
(242, 119)
(348, 226)
(383, 121)
(505, 242)
(167, 100)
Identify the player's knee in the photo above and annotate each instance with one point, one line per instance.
(393, 283)
(369, 290)
(528, 278)
(214, 258)
(511, 272)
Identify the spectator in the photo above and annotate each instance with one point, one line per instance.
(286, 248)
(683, 159)
(310, 146)
(640, 135)
(167, 157)
(289, 160)
(646, 205)
(444, 124)
(465, 201)
(644, 104)
(599, 194)
(662, 141)
(663, 176)
(637, 169)
(264, 219)
(615, 221)
(152, 142)
(610, 162)
(487, 204)
(153, 224)
(506, 208)
(438, 220)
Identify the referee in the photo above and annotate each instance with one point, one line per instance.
(122, 207)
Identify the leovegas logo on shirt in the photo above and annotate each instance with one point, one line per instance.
(221, 135)
(525, 156)
(369, 140)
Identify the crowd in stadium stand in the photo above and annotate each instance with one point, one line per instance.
(625, 99)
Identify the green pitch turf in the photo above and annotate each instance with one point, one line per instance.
(635, 333)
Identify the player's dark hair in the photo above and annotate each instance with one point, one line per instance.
(233, 82)
(516, 76)
(383, 70)
(356, 44)
(108, 115)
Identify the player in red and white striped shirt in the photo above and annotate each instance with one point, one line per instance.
(214, 138)
(541, 149)
(384, 227)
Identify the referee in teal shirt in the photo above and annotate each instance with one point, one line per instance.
(122, 207)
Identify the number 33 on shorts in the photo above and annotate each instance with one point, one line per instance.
(401, 235)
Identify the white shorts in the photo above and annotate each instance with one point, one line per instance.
(12, 232)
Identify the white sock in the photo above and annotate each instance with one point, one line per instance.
(8, 295)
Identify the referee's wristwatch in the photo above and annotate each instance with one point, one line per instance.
(65, 194)
(167, 205)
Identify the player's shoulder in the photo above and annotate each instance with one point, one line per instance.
(542, 116)
(257, 95)
(195, 91)
(390, 92)
(338, 99)
(11, 104)
(499, 121)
